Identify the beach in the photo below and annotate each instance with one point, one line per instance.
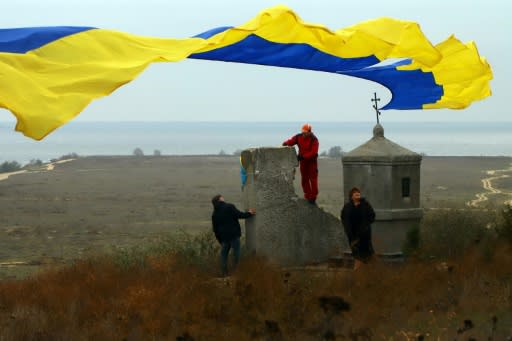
(94, 205)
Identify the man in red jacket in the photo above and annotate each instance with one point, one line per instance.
(308, 155)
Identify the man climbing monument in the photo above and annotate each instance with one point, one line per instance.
(308, 155)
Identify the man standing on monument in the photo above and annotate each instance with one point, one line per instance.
(227, 229)
(308, 155)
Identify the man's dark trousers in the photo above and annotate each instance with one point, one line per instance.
(226, 246)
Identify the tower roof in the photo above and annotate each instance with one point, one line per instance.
(380, 149)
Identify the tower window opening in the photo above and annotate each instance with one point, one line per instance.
(406, 187)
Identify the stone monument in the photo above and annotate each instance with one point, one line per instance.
(286, 228)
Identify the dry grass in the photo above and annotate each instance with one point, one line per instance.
(168, 297)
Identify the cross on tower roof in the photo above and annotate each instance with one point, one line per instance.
(375, 99)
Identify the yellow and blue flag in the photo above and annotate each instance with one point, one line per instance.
(48, 75)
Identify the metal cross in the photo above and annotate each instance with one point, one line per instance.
(375, 99)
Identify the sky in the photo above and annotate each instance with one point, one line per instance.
(194, 90)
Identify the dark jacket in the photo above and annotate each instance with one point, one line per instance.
(357, 224)
(225, 221)
(357, 219)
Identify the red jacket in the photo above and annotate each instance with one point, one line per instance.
(308, 146)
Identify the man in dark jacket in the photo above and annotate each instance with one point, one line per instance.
(308, 155)
(357, 216)
(227, 229)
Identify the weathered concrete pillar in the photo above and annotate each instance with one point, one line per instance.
(286, 229)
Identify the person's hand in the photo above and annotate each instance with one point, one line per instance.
(354, 246)
(354, 242)
(300, 157)
(252, 211)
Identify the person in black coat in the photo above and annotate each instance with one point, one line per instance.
(357, 216)
(227, 229)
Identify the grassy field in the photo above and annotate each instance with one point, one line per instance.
(95, 205)
(95, 241)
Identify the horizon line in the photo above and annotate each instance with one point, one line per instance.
(279, 122)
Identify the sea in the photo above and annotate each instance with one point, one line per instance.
(214, 138)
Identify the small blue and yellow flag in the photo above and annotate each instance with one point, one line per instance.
(48, 75)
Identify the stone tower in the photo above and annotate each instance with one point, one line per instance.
(388, 175)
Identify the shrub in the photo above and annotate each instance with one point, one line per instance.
(200, 250)
(9, 166)
(449, 233)
(156, 152)
(69, 156)
(412, 241)
(34, 163)
(138, 152)
(335, 151)
(504, 224)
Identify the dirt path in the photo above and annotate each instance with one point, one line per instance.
(51, 165)
(5, 176)
(487, 184)
(48, 167)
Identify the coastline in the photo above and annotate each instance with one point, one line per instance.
(199, 138)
